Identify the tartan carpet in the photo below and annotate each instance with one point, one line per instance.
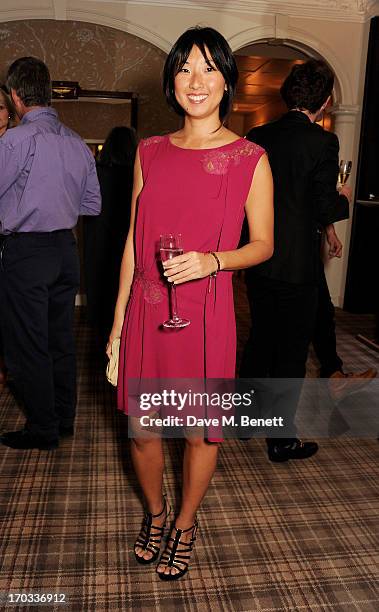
(272, 537)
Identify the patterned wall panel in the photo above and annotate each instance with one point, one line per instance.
(93, 120)
(98, 57)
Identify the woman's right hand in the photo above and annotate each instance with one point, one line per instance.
(115, 333)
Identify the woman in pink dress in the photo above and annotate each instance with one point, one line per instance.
(199, 182)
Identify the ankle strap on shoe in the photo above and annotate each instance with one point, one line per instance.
(193, 528)
(163, 509)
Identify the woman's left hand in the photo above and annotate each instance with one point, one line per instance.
(189, 266)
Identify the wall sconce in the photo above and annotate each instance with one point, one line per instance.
(65, 90)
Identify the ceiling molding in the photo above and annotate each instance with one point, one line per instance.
(60, 11)
(331, 10)
(372, 8)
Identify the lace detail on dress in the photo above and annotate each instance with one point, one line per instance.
(217, 162)
(152, 140)
(152, 289)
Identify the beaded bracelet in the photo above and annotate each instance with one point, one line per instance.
(214, 274)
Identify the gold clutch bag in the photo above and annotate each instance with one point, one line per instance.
(112, 367)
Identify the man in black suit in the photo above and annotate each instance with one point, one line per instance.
(283, 291)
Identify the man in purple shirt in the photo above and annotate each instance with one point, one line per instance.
(47, 179)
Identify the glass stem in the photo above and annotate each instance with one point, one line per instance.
(174, 305)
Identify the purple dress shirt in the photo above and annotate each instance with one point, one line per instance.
(47, 176)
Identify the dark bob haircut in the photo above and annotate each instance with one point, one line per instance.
(119, 149)
(221, 54)
(308, 86)
(30, 78)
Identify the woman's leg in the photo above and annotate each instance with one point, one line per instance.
(199, 464)
(148, 462)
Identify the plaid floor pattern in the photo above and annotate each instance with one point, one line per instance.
(272, 537)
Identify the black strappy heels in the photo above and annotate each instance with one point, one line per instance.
(177, 554)
(150, 536)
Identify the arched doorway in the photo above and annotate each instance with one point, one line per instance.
(263, 67)
(279, 55)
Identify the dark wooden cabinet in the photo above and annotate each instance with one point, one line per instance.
(362, 283)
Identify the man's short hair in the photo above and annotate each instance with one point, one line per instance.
(30, 78)
(308, 86)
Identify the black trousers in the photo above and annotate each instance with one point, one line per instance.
(39, 278)
(283, 317)
(324, 335)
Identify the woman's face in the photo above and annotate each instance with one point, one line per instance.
(4, 115)
(199, 86)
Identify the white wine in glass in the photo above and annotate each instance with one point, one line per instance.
(170, 247)
(344, 171)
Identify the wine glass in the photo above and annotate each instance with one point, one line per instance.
(344, 171)
(171, 246)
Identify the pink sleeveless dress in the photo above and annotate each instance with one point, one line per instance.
(199, 193)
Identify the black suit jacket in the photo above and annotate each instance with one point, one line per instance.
(304, 162)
